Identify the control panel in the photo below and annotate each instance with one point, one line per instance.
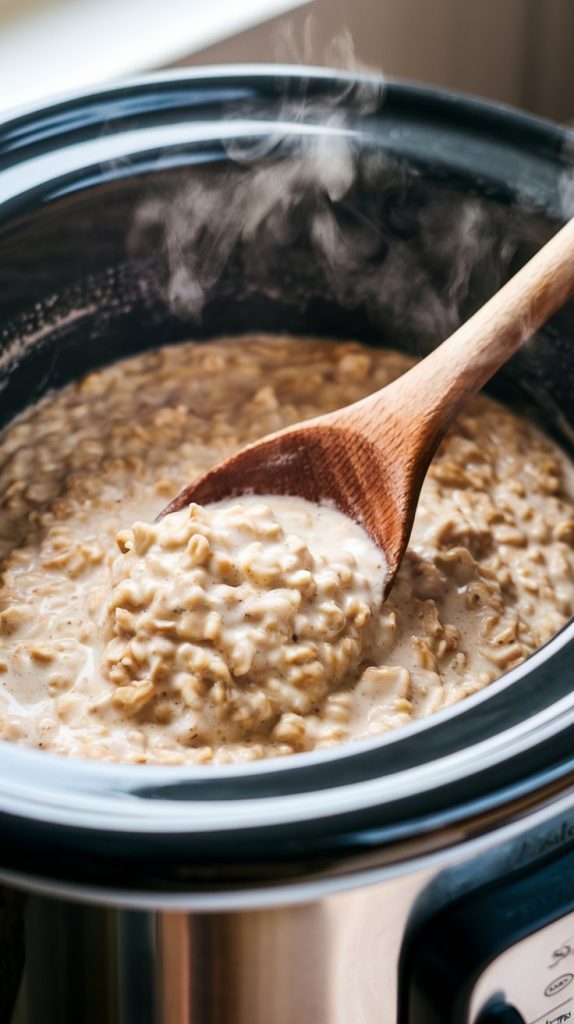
(535, 977)
(501, 954)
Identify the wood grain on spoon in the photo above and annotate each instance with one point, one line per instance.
(370, 458)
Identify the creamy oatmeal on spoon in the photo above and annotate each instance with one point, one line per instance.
(256, 629)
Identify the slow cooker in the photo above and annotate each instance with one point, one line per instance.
(426, 877)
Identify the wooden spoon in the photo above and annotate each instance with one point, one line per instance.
(370, 458)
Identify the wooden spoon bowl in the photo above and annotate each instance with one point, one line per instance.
(370, 458)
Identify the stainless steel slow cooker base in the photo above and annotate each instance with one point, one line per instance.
(394, 945)
(335, 886)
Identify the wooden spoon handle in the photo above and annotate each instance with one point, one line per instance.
(432, 393)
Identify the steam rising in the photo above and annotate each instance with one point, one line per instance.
(304, 195)
(287, 175)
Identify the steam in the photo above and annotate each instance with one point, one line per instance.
(303, 188)
(287, 174)
(207, 220)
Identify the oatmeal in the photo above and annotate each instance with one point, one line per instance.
(255, 629)
(235, 622)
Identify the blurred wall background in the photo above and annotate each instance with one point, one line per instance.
(516, 51)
